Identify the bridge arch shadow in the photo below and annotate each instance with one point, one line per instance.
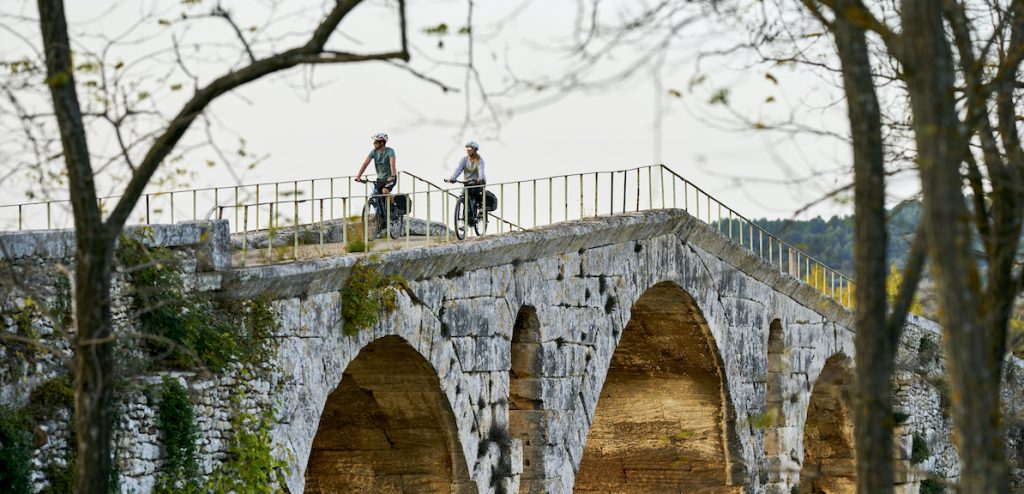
(526, 414)
(829, 462)
(387, 427)
(664, 421)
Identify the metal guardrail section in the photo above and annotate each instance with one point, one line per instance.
(286, 209)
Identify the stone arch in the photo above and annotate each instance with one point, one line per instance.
(664, 421)
(829, 464)
(387, 427)
(526, 414)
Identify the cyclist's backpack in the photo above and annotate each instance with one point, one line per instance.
(492, 201)
(402, 204)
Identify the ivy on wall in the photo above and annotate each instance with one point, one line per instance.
(251, 466)
(366, 296)
(192, 329)
(176, 421)
(15, 451)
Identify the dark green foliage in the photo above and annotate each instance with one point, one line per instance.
(919, 451)
(61, 309)
(60, 478)
(45, 402)
(899, 418)
(932, 486)
(367, 294)
(50, 397)
(251, 466)
(176, 421)
(15, 451)
(355, 245)
(192, 330)
(831, 241)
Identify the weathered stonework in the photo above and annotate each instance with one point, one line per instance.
(520, 332)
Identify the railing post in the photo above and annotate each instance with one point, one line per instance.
(625, 182)
(650, 188)
(661, 185)
(611, 188)
(194, 199)
(429, 224)
(147, 211)
(581, 197)
(48, 222)
(258, 208)
(245, 232)
(270, 231)
(551, 201)
(565, 198)
(483, 205)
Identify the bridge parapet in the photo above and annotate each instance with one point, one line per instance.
(328, 217)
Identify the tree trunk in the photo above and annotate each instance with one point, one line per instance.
(94, 362)
(974, 374)
(875, 346)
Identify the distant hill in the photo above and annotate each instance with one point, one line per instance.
(831, 241)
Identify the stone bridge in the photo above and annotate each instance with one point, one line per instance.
(636, 353)
(632, 353)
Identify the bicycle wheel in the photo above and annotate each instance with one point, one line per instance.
(478, 224)
(371, 219)
(460, 219)
(397, 227)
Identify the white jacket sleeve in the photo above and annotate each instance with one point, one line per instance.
(458, 169)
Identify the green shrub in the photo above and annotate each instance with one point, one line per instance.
(50, 397)
(193, 330)
(60, 478)
(355, 245)
(250, 466)
(932, 486)
(366, 295)
(919, 451)
(176, 421)
(45, 402)
(15, 451)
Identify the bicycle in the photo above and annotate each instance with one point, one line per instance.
(475, 214)
(376, 210)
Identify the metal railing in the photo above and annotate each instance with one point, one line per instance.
(276, 217)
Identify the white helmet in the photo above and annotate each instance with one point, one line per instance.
(380, 136)
(474, 145)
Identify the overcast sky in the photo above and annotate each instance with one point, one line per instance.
(325, 131)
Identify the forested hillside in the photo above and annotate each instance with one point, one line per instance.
(831, 240)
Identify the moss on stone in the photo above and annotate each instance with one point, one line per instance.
(366, 296)
(192, 329)
(15, 451)
(176, 421)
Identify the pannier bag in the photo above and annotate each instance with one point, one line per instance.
(492, 201)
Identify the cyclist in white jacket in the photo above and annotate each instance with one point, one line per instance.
(472, 164)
